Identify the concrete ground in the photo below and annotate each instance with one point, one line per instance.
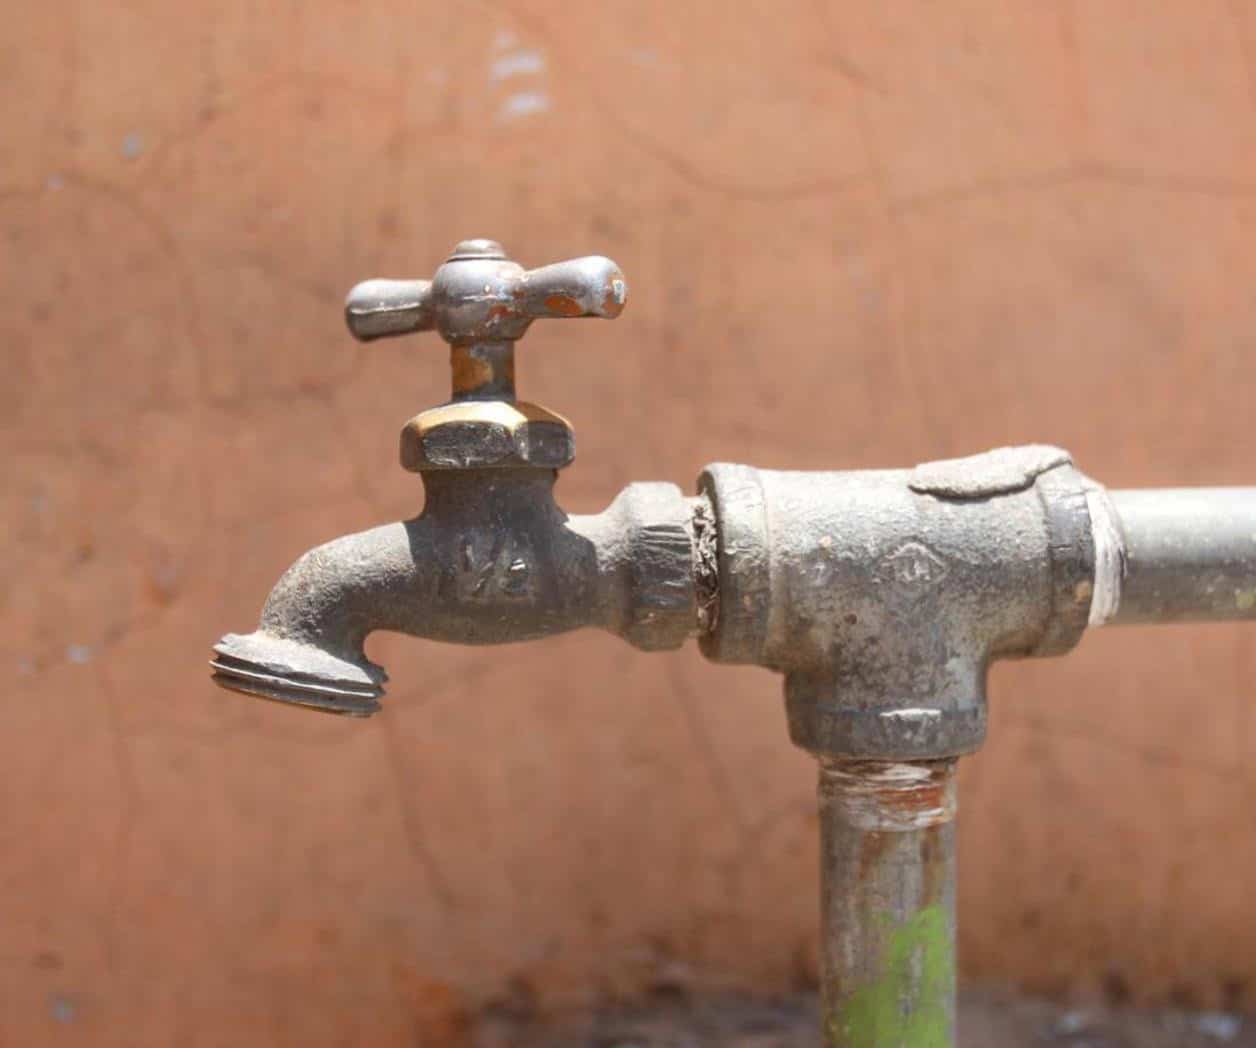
(987, 1020)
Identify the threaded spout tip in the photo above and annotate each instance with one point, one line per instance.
(284, 670)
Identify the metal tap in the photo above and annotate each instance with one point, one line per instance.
(492, 558)
(881, 596)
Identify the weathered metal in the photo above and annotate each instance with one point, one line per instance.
(882, 596)
(887, 903)
(487, 433)
(481, 303)
(1189, 554)
(492, 558)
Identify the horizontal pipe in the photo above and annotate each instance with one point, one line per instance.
(1190, 554)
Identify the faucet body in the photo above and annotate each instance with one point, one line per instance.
(881, 596)
(490, 560)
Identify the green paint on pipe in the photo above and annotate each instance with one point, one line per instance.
(909, 1006)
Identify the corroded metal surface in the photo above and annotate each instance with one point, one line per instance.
(490, 560)
(887, 903)
(999, 221)
(884, 605)
(481, 303)
(882, 596)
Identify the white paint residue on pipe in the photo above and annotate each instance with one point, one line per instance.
(1109, 556)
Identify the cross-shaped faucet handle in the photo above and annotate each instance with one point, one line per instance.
(481, 302)
(480, 295)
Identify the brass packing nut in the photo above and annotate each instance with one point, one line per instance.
(483, 434)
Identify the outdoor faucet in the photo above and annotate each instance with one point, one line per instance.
(882, 596)
(492, 558)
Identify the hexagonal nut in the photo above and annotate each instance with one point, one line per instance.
(483, 434)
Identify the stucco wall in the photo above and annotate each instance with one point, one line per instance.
(856, 234)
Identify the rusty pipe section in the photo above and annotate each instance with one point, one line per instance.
(490, 560)
(887, 903)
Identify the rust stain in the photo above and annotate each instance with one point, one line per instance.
(911, 798)
(469, 371)
(889, 796)
(874, 846)
(564, 306)
(612, 304)
(933, 861)
(917, 799)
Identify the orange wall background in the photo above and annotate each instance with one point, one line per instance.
(856, 235)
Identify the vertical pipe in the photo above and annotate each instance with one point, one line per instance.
(887, 903)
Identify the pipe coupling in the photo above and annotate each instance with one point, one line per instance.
(883, 596)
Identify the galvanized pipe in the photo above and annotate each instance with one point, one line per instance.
(882, 596)
(1190, 554)
(887, 903)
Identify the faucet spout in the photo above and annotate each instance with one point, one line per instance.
(491, 559)
(308, 647)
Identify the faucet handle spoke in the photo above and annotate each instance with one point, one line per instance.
(383, 308)
(581, 287)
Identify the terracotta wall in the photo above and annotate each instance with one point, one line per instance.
(857, 235)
